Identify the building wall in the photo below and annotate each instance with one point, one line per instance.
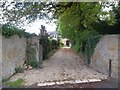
(13, 54)
(106, 49)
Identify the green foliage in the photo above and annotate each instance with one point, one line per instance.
(110, 20)
(48, 46)
(81, 24)
(61, 44)
(9, 30)
(33, 63)
(51, 52)
(54, 44)
(19, 70)
(45, 42)
(116, 11)
(104, 28)
(76, 47)
(16, 84)
(31, 51)
(86, 43)
(31, 57)
(77, 18)
(5, 80)
(91, 43)
(30, 11)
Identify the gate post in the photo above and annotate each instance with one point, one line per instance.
(110, 67)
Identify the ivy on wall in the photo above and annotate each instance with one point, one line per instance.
(9, 30)
(86, 43)
(31, 57)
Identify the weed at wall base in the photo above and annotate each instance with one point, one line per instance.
(19, 70)
(15, 84)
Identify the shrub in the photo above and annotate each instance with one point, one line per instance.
(54, 44)
(33, 63)
(86, 43)
(19, 70)
(9, 30)
(45, 42)
(5, 80)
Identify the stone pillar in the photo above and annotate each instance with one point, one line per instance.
(40, 53)
(34, 42)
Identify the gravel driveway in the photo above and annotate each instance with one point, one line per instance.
(63, 65)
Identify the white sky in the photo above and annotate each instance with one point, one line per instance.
(34, 27)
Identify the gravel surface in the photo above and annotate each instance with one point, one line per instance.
(63, 65)
(103, 84)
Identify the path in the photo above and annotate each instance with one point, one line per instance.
(64, 65)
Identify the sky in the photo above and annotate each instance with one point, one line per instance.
(34, 27)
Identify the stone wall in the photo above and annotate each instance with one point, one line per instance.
(0, 60)
(34, 42)
(106, 49)
(13, 54)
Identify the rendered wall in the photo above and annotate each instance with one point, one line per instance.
(106, 49)
(13, 54)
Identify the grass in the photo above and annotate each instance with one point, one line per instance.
(16, 84)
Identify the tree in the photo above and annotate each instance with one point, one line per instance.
(17, 12)
(77, 18)
(117, 16)
(109, 25)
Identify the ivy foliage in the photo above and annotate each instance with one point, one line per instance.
(91, 42)
(31, 57)
(86, 44)
(9, 30)
(19, 69)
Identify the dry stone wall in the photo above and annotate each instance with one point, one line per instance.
(106, 50)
